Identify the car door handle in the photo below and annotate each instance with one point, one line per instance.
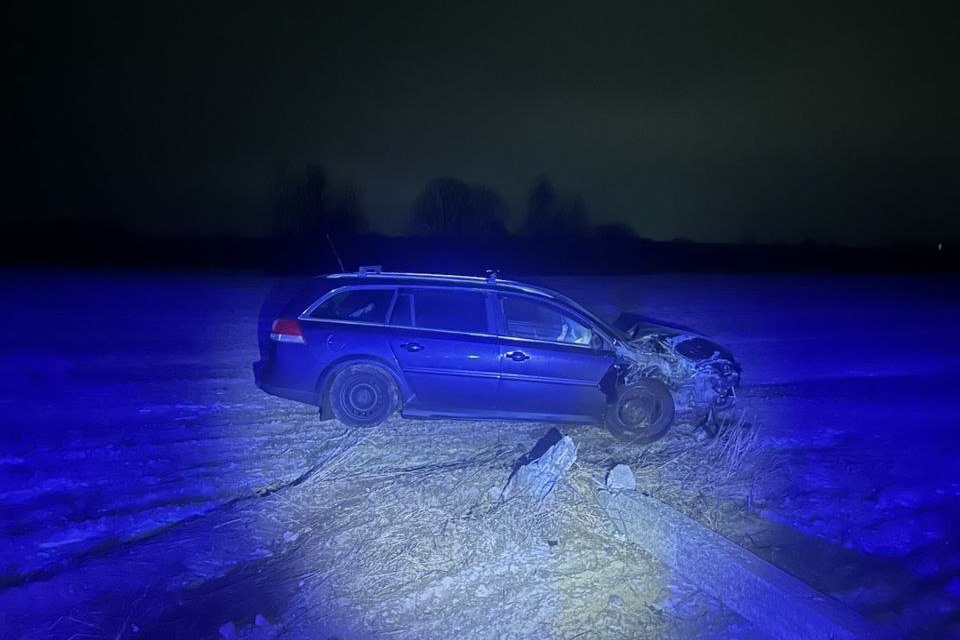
(411, 346)
(516, 356)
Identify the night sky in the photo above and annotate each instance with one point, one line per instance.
(711, 121)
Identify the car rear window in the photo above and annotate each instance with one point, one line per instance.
(448, 310)
(356, 305)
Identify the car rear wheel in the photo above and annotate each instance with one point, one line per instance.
(642, 412)
(363, 395)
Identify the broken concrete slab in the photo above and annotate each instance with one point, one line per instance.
(536, 473)
(774, 601)
(620, 478)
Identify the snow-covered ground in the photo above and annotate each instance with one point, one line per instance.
(148, 489)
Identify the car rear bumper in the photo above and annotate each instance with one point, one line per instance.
(262, 374)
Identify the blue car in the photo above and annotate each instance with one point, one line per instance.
(362, 346)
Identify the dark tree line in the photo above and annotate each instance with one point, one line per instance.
(551, 215)
(451, 208)
(309, 207)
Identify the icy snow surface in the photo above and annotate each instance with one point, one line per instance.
(148, 489)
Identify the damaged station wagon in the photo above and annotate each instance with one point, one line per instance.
(364, 345)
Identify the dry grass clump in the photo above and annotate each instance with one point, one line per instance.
(711, 480)
(412, 540)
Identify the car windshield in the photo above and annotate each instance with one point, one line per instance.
(603, 325)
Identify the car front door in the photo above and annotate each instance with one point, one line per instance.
(448, 352)
(551, 360)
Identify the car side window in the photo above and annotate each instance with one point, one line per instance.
(525, 318)
(448, 310)
(402, 315)
(356, 305)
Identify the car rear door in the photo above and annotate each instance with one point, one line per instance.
(443, 340)
(548, 366)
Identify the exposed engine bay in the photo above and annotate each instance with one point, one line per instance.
(702, 376)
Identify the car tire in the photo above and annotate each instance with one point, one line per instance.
(363, 395)
(642, 412)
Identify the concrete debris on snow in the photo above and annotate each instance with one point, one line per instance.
(259, 629)
(536, 473)
(773, 600)
(620, 478)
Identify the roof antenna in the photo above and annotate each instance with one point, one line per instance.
(335, 254)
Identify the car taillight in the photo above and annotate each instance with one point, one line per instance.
(286, 330)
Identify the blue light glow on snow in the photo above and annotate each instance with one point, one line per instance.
(130, 422)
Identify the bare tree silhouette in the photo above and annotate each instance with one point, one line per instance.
(571, 219)
(310, 208)
(550, 215)
(541, 208)
(452, 208)
(346, 213)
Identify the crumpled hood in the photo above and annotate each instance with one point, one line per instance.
(686, 342)
(637, 326)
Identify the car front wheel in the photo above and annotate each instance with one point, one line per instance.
(363, 395)
(642, 412)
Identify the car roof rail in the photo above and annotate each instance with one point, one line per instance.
(368, 269)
